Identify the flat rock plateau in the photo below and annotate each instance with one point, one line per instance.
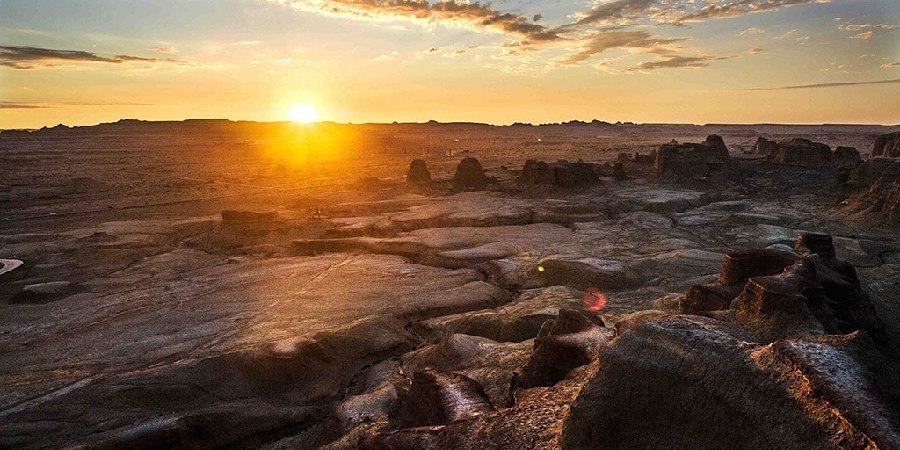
(215, 284)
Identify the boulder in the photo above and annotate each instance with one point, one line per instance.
(418, 174)
(469, 176)
(803, 152)
(886, 145)
(764, 146)
(695, 382)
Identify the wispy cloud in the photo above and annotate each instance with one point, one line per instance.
(827, 85)
(35, 57)
(478, 16)
(18, 105)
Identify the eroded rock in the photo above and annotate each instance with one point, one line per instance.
(469, 176)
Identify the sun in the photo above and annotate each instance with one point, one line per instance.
(303, 113)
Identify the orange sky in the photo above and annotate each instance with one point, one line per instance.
(738, 61)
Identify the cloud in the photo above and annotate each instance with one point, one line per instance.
(165, 50)
(864, 35)
(754, 50)
(889, 65)
(33, 57)
(18, 105)
(827, 85)
(43, 105)
(472, 15)
(676, 62)
(614, 12)
(742, 7)
(751, 31)
(601, 41)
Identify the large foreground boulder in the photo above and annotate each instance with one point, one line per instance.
(695, 382)
(469, 176)
(886, 145)
(802, 152)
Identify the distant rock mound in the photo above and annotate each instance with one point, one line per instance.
(874, 187)
(801, 152)
(418, 174)
(886, 145)
(717, 144)
(470, 176)
(691, 163)
(764, 146)
(561, 173)
(801, 351)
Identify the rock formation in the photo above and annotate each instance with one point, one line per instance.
(418, 175)
(874, 187)
(561, 173)
(764, 146)
(692, 163)
(571, 340)
(803, 152)
(798, 359)
(886, 145)
(469, 176)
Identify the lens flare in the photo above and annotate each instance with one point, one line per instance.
(593, 300)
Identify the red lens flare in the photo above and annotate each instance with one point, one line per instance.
(593, 300)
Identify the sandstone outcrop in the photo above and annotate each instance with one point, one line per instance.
(469, 176)
(764, 146)
(693, 163)
(418, 175)
(561, 173)
(886, 145)
(802, 152)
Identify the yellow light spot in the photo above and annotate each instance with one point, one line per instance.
(540, 268)
(303, 113)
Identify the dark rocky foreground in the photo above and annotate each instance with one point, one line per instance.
(627, 303)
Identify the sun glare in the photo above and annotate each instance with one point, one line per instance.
(303, 113)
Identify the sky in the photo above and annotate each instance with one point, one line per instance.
(82, 62)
